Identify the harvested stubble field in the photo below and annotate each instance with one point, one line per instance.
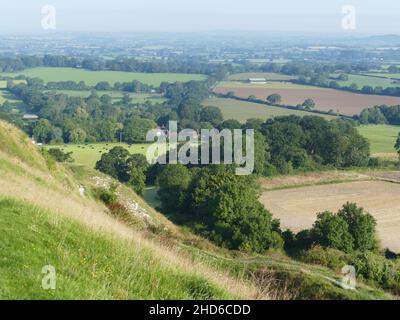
(297, 207)
(346, 103)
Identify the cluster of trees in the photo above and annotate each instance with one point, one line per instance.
(380, 115)
(305, 143)
(99, 118)
(125, 167)
(350, 229)
(173, 65)
(219, 205)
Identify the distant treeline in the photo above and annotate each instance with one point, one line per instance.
(381, 115)
(181, 65)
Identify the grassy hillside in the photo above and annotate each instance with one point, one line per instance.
(45, 219)
(88, 264)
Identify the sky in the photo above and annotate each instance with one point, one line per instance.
(301, 16)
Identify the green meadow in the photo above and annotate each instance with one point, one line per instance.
(365, 80)
(93, 77)
(89, 154)
(381, 137)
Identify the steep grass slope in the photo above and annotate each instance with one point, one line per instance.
(46, 221)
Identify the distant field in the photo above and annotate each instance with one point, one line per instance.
(3, 83)
(89, 154)
(243, 110)
(346, 103)
(381, 137)
(265, 75)
(93, 77)
(297, 208)
(362, 81)
(386, 75)
(17, 104)
(137, 97)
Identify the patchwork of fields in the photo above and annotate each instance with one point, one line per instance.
(346, 103)
(93, 77)
(297, 208)
(243, 110)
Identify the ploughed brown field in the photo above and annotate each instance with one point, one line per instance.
(297, 208)
(342, 102)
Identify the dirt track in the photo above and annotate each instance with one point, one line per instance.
(297, 208)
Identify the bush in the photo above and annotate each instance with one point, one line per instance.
(331, 258)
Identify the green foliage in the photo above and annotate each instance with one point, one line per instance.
(226, 206)
(351, 229)
(274, 98)
(332, 231)
(59, 155)
(135, 130)
(173, 182)
(361, 226)
(127, 168)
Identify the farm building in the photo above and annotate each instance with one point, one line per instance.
(258, 80)
(30, 117)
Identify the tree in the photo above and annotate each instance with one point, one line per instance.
(226, 208)
(114, 163)
(274, 98)
(308, 104)
(77, 135)
(361, 226)
(332, 231)
(173, 182)
(43, 131)
(212, 115)
(135, 130)
(137, 179)
(60, 156)
(397, 145)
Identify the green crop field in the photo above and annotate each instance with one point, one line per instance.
(89, 154)
(365, 80)
(381, 137)
(17, 104)
(267, 75)
(93, 77)
(243, 110)
(115, 95)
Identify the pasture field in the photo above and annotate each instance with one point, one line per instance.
(243, 110)
(93, 77)
(17, 104)
(343, 102)
(116, 95)
(365, 80)
(297, 208)
(267, 75)
(382, 138)
(3, 83)
(395, 76)
(89, 154)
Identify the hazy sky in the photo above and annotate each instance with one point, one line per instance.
(373, 16)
